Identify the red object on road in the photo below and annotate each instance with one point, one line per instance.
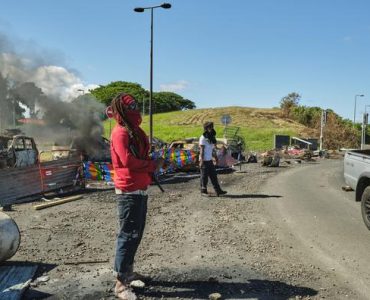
(31, 121)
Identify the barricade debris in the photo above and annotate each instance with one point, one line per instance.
(57, 202)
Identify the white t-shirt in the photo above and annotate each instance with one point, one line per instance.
(208, 148)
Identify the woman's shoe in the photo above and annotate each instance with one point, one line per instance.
(124, 292)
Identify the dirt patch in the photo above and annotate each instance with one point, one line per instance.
(193, 246)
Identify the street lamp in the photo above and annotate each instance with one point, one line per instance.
(354, 114)
(364, 128)
(140, 10)
(81, 90)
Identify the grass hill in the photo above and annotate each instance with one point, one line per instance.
(257, 125)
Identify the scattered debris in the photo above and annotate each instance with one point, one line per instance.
(271, 159)
(137, 284)
(86, 262)
(61, 201)
(347, 188)
(10, 237)
(215, 296)
(41, 279)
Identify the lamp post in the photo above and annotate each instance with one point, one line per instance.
(364, 128)
(140, 10)
(354, 113)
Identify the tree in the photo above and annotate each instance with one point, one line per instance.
(338, 132)
(10, 109)
(308, 116)
(105, 93)
(288, 102)
(168, 101)
(162, 101)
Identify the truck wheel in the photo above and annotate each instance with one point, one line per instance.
(365, 207)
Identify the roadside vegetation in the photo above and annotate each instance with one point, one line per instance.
(338, 132)
(257, 126)
(177, 118)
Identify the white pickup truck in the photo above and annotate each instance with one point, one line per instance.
(357, 176)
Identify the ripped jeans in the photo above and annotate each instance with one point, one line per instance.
(132, 211)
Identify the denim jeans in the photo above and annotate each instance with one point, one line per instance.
(132, 211)
(208, 170)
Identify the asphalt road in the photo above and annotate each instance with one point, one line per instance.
(323, 222)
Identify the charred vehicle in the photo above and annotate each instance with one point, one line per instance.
(17, 151)
(88, 149)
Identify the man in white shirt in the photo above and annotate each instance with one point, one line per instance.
(207, 143)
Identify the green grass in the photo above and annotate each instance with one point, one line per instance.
(257, 126)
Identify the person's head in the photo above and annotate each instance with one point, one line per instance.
(208, 126)
(126, 110)
(209, 132)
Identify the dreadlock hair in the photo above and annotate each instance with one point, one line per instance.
(119, 108)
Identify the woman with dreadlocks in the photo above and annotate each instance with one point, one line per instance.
(207, 144)
(132, 175)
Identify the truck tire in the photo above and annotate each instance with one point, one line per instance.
(365, 207)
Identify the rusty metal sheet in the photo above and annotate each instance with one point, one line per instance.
(59, 174)
(17, 183)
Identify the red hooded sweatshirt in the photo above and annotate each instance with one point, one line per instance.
(130, 173)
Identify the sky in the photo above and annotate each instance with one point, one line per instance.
(214, 52)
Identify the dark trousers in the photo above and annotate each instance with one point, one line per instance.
(208, 170)
(132, 211)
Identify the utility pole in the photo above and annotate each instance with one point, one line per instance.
(363, 132)
(143, 106)
(354, 113)
(13, 113)
(324, 114)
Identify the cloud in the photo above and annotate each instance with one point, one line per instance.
(59, 82)
(55, 81)
(175, 86)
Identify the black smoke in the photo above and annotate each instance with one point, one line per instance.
(32, 86)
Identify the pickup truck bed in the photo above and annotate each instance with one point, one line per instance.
(357, 176)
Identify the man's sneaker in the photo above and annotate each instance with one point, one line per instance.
(221, 192)
(204, 193)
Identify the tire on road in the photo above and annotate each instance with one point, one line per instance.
(365, 207)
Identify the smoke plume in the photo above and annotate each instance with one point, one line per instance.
(51, 93)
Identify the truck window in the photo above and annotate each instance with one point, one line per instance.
(19, 144)
(28, 144)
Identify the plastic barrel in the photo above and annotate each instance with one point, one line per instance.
(10, 237)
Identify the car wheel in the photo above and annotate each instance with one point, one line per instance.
(365, 207)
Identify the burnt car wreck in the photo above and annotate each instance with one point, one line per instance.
(17, 150)
(24, 177)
